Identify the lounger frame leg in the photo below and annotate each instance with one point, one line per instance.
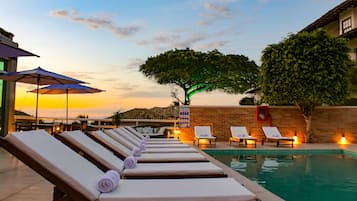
(58, 195)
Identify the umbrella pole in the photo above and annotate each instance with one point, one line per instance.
(38, 86)
(67, 106)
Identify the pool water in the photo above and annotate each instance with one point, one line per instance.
(300, 177)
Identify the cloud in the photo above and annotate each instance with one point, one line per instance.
(174, 39)
(217, 8)
(212, 45)
(96, 22)
(214, 12)
(84, 76)
(135, 63)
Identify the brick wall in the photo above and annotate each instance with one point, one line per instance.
(328, 123)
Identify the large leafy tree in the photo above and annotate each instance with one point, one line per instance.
(306, 69)
(195, 71)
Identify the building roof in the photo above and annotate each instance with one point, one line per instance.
(331, 15)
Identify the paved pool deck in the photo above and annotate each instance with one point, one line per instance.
(18, 182)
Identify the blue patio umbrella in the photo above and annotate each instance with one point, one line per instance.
(66, 89)
(8, 51)
(38, 76)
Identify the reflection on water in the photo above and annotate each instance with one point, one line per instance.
(300, 177)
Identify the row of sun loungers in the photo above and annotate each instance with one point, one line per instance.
(99, 166)
(240, 134)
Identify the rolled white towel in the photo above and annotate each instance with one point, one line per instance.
(108, 181)
(142, 146)
(130, 162)
(143, 141)
(146, 137)
(136, 151)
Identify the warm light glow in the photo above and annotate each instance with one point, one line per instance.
(250, 142)
(204, 141)
(296, 140)
(343, 140)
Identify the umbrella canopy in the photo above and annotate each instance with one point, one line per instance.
(66, 89)
(7, 51)
(38, 76)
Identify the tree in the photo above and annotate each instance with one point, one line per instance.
(116, 118)
(195, 71)
(306, 69)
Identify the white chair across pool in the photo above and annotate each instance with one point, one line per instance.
(240, 134)
(203, 133)
(272, 133)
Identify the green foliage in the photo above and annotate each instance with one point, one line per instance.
(116, 118)
(306, 69)
(354, 80)
(195, 71)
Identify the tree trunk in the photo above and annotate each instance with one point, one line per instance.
(308, 135)
(187, 97)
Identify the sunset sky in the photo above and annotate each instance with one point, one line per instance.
(103, 42)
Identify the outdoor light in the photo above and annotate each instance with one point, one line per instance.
(343, 139)
(295, 137)
(57, 129)
(177, 133)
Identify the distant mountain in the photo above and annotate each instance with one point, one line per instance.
(170, 112)
(18, 112)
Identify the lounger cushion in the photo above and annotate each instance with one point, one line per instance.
(171, 157)
(61, 160)
(215, 189)
(79, 139)
(173, 169)
(170, 150)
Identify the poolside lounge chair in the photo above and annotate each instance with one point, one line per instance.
(75, 178)
(203, 133)
(140, 136)
(156, 142)
(240, 134)
(165, 149)
(272, 133)
(122, 152)
(106, 160)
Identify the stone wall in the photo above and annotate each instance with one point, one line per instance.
(328, 123)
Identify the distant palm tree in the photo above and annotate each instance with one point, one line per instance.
(116, 118)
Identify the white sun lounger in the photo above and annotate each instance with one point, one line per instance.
(240, 134)
(203, 133)
(106, 160)
(75, 178)
(272, 133)
(150, 143)
(140, 136)
(122, 152)
(171, 148)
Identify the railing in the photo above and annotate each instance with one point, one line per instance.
(22, 120)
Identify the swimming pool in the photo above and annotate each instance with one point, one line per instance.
(304, 175)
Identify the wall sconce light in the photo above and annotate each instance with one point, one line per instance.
(343, 139)
(295, 136)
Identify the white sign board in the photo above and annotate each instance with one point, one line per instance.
(184, 117)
